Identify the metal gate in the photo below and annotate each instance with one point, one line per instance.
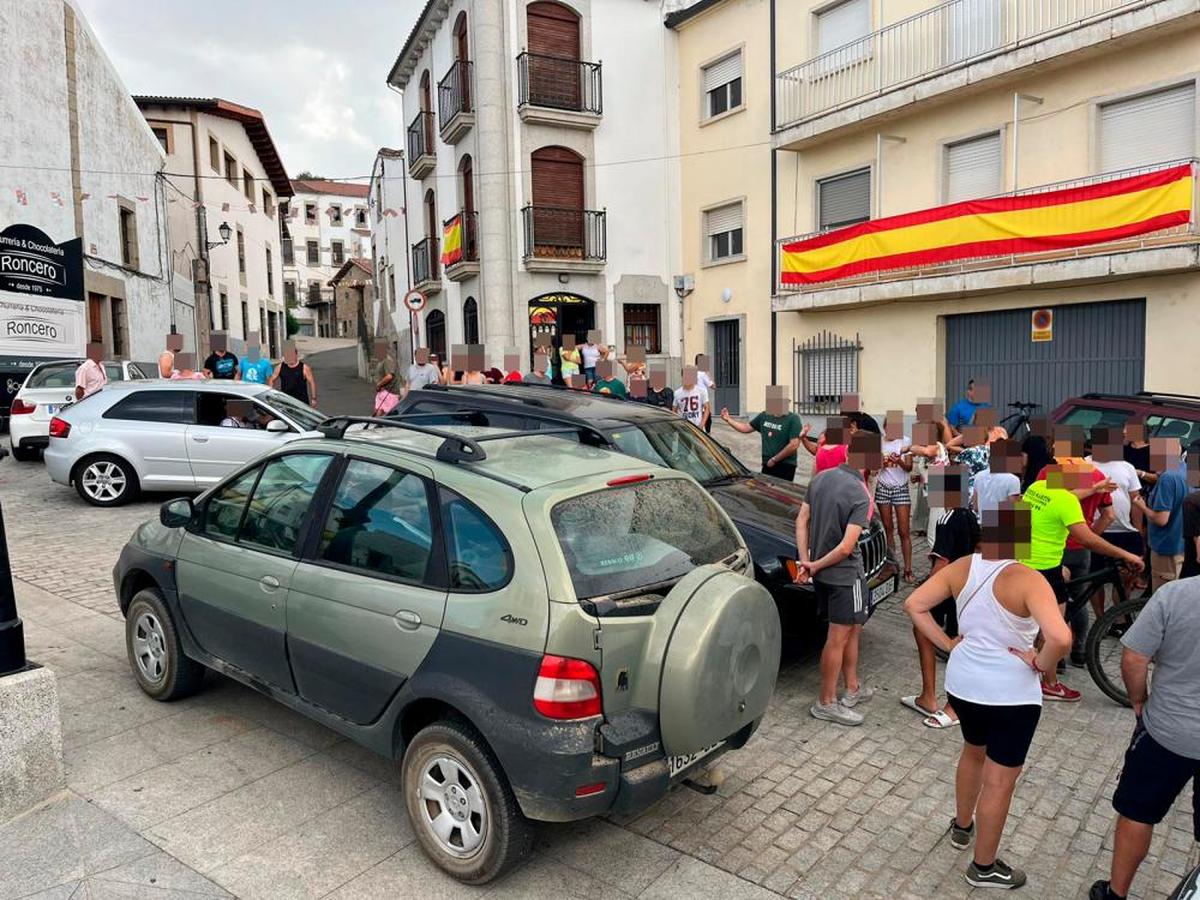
(726, 367)
(824, 371)
(1094, 347)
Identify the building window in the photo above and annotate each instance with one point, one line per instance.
(289, 293)
(723, 235)
(312, 253)
(270, 274)
(379, 196)
(231, 169)
(360, 217)
(116, 308)
(723, 85)
(335, 214)
(214, 154)
(310, 214)
(337, 252)
(314, 291)
(241, 251)
(289, 250)
(245, 318)
(129, 240)
(470, 321)
(842, 24)
(163, 134)
(973, 168)
(642, 326)
(248, 185)
(268, 203)
(844, 199)
(1152, 128)
(827, 366)
(224, 311)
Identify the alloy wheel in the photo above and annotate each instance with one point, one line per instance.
(453, 806)
(150, 647)
(103, 481)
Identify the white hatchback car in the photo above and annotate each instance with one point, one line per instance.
(48, 388)
(168, 435)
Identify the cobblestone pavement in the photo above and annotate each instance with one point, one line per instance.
(229, 792)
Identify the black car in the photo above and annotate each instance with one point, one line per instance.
(763, 508)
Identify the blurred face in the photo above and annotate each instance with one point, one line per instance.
(568, 342)
(974, 435)
(930, 410)
(604, 368)
(1068, 440)
(850, 403)
(776, 401)
(577, 382)
(95, 351)
(702, 362)
(947, 486)
(637, 388)
(924, 434)
(971, 391)
(185, 362)
(1165, 453)
(593, 337)
(174, 342)
(658, 379)
(1107, 445)
(421, 356)
(540, 363)
(290, 354)
(893, 425)
(238, 409)
(380, 349)
(835, 430)
(1006, 531)
(636, 355)
(1135, 431)
(512, 362)
(1069, 476)
(1006, 457)
(865, 451)
(689, 377)
(253, 351)
(219, 341)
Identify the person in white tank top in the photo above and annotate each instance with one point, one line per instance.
(993, 679)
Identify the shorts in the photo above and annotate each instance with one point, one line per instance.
(1129, 541)
(892, 494)
(847, 604)
(785, 469)
(1055, 577)
(1006, 731)
(1152, 779)
(1164, 568)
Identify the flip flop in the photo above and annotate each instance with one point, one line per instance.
(909, 577)
(911, 702)
(939, 719)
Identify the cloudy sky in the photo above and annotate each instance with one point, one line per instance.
(315, 70)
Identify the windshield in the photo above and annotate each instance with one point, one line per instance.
(1089, 417)
(677, 445)
(639, 535)
(289, 407)
(62, 375)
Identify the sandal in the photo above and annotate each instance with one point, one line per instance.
(909, 577)
(911, 702)
(939, 720)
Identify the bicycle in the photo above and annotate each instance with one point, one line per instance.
(1102, 647)
(1014, 422)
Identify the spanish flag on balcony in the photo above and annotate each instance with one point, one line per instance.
(974, 229)
(452, 235)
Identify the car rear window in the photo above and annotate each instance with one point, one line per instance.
(640, 535)
(156, 406)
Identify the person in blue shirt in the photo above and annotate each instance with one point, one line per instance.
(1164, 512)
(963, 412)
(254, 368)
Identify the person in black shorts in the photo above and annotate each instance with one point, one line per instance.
(957, 536)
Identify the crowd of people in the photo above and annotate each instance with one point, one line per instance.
(1009, 524)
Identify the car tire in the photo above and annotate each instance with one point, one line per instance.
(162, 670)
(89, 475)
(24, 454)
(485, 832)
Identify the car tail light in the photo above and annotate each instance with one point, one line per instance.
(587, 790)
(629, 479)
(21, 408)
(567, 689)
(59, 428)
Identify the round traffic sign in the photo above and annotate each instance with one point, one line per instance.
(415, 301)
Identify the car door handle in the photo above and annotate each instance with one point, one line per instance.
(269, 583)
(408, 620)
(199, 440)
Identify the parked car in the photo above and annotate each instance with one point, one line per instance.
(166, 436)
(1165, 415)
(529, 640)
(763, 508)
(48, 389)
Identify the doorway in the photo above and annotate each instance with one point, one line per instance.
(559, 314)
(726, 364)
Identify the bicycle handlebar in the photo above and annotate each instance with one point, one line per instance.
(1025, 405)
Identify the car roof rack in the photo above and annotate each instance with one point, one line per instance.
(588, 434)
(455, 448)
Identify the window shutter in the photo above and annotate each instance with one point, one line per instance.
(722, 71)
(722, 219)
(1150, 129)
(842, 24)
(553, 30)
(973, 168)
(844, 199)
(557, 178)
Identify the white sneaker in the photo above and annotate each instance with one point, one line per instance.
(862, 695)
(836, 712)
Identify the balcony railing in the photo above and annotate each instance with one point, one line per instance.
(940, 39)
(1184, 233)
(425, 260)
(470, 236)
(557, 83)
(314, 296)
(559, 233)
(420, 137)
(454, 93)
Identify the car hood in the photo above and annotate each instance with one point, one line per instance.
(762, 502)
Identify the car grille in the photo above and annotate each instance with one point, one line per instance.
(873, 545)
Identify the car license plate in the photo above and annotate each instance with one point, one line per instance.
(53, 409)
(676, 764)
(882, 591)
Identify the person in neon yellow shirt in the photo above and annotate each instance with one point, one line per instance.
(1055, 514)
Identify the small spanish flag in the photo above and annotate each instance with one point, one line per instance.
(452, 233)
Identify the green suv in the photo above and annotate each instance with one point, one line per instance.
(534, 628)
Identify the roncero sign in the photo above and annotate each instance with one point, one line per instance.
(31, 263)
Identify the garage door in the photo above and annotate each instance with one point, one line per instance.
(1095, 347)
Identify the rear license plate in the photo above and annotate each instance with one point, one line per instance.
(885, 590)
(677, 764)
(53, 409)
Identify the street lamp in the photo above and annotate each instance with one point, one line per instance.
(225, 231)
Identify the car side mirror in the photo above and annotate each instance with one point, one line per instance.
(278, 426)
(177, 513)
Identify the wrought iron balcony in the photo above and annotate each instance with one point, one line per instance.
(568, 238)
(464, 262)
(425, 264)
(318, 296)
(566, 86)
(456, 113)
(421, 148)
(940, 39)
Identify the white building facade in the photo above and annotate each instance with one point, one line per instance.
(225, 171)
(80, 162)
(327, 223)
(554, 173)
(390, 246)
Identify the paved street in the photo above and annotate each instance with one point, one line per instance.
(227, 793)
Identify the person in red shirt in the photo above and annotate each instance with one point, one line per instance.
(832, 448)
(512, 366)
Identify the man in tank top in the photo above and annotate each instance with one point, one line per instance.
(294, 377)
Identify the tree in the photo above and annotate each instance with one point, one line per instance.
(292, 324)
(306, 175)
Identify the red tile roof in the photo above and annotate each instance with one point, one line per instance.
(365, 264)
(325, 186)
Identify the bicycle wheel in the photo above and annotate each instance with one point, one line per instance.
(1103, 648)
